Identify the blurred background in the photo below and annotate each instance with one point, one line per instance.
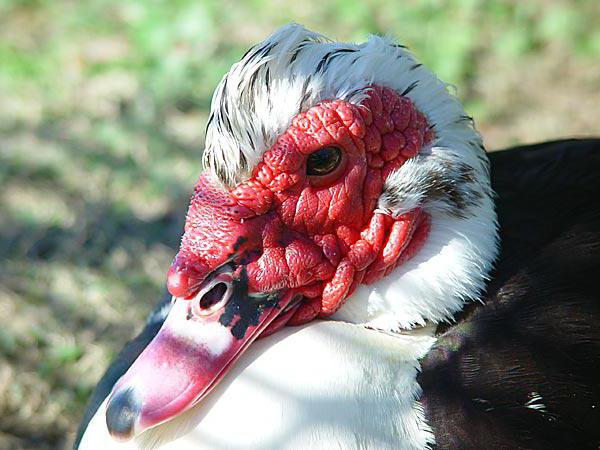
(103, 105)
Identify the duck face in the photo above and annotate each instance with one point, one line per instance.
(284, 246)
(329, 165)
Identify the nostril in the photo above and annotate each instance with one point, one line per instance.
(211, 300)
(213, 296)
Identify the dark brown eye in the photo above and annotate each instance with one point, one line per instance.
(323, 161)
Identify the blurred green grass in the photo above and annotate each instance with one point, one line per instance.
(103, 105)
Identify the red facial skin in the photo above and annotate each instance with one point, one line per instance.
(275, 238)
(317, 236)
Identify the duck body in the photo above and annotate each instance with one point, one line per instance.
(519, 369)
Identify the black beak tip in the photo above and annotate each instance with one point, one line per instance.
(122, 412)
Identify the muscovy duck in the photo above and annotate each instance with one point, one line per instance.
(347, 193)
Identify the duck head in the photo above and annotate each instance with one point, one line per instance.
(342, 182)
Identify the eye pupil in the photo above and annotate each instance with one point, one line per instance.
(323, 161)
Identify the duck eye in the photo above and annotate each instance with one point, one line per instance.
(323, 161)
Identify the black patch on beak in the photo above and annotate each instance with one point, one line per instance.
(241, 240)
(246, 308)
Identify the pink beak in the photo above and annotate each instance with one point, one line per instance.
(190, 354)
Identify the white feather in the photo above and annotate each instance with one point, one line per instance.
(261, 94)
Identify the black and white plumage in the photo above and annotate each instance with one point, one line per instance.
(516, 370)
(522, 369)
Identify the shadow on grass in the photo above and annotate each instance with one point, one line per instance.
(107, 242)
